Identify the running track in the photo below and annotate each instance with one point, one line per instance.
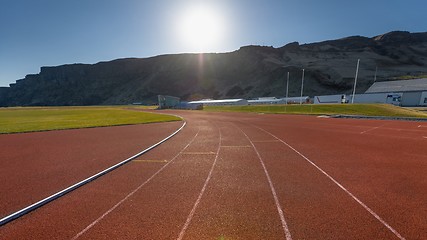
(224, 176)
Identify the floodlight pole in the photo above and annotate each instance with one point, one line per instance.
(375, 76)
(355, 81)
(302, 86)
(287, 89)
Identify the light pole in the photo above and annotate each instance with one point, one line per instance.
(355, 80)
(375, 76)
(287, 89)
(302, 86)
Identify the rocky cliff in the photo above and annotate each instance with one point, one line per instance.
(251, 71)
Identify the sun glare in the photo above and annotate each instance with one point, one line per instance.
(201, 29)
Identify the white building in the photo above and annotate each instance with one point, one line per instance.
(266, 101)
(413, 91)
(390, 98)
(296, 100)
(222, 102)
(273, 100)
(403, 93)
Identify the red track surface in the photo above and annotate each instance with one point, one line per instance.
(225, 176)
(36, 165)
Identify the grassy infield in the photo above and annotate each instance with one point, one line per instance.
(14, 120)
(386, 110)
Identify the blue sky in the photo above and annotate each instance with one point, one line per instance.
(51, 32)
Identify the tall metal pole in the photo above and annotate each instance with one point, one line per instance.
(302, 86)
(287, 88)
(375, 77)
(355, 80)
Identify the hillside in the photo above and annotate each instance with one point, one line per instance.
(251, 71)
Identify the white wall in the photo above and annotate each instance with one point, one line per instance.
(359, 98)
(328, 99)
(376, 98)
(423, 99)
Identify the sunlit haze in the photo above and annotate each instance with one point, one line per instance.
(201, 28)
(51, 32)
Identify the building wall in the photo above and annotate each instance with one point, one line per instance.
(411, 99)
(328, 99)
(266, 102)
(236, 103)
(167, 101)
(423, 99)
(224, 102)
(391, 98)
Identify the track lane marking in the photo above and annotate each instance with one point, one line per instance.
(73, 187)
(134, 191)
(395, 232)
(395, 136)
(403, 129)
(150, 161)
(265, 141)
(243, 146)
(196, 204)
(198, 153)
(371, 129)
(273, 191)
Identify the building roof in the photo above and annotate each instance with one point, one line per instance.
(265, 100)
(218, 101)
(399, 86)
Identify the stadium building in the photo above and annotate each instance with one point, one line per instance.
(405, 93)
(273, 100)
(222, 102)
(166, 102)
(413, 92)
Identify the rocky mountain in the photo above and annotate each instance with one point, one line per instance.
(251, 71)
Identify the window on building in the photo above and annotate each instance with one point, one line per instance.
(425, 100)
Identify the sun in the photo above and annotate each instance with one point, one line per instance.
(201, 29)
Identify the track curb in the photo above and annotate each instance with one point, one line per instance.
(380, 118)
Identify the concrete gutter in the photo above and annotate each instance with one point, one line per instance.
(381, 118)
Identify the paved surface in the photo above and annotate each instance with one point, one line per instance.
(243, 176)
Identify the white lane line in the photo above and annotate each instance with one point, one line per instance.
(394, 136)
(372, 129)
(61, 193)
(133, 192)
(341, 186)
(193, 210)
(265, 141)
(273, 191)
(424, 137)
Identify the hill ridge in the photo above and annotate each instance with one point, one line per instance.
(251, 71)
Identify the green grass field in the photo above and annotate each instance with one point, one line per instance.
(385, 110)
(16, 120)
